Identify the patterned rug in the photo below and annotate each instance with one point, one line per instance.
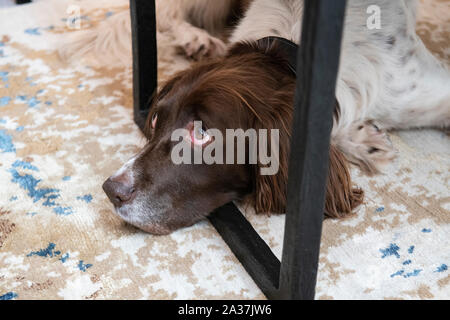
(65, 128)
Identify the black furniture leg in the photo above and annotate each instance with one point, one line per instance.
(254, 254)
(22, 1)
(145, 60)
(318, 60)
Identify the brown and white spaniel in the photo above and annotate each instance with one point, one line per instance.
(387, 79)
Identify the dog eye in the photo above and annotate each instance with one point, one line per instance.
(199, 136)
(154, 119)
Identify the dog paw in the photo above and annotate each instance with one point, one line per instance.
(369, 147)
(199, 44)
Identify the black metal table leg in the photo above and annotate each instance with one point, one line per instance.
(254, 254)
(145, 60)
(318, 61)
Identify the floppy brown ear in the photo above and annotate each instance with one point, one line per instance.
(341, 196)
(270, 190)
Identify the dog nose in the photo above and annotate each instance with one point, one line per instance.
(119, 191)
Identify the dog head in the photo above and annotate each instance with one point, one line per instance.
(251, 88)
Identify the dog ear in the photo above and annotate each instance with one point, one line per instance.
(341, 196)
(270, 190)
(267, 99)
(341, 199)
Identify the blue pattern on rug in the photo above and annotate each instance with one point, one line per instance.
(47, 252)
(443, 267)
(415, 273)
(86, 198)
(30, 184)
(6, 144)
(392, 250)
(83, 267)
(50, 252)
(64, 257)
(24, 165)
(8, 296)
(4, 101)
(33, 31)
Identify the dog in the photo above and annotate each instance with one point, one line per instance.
(195, 28)
(387, 80)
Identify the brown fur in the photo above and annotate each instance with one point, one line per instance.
(341, 197)
(256, 82)
(251, 88)
(271, 105)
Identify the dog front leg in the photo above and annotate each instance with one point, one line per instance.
(197, 43)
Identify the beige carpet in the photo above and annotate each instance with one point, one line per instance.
(65, 128)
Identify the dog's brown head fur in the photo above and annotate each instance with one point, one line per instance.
(252, 87)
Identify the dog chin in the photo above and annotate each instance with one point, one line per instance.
(154, 229)
(126, 214)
